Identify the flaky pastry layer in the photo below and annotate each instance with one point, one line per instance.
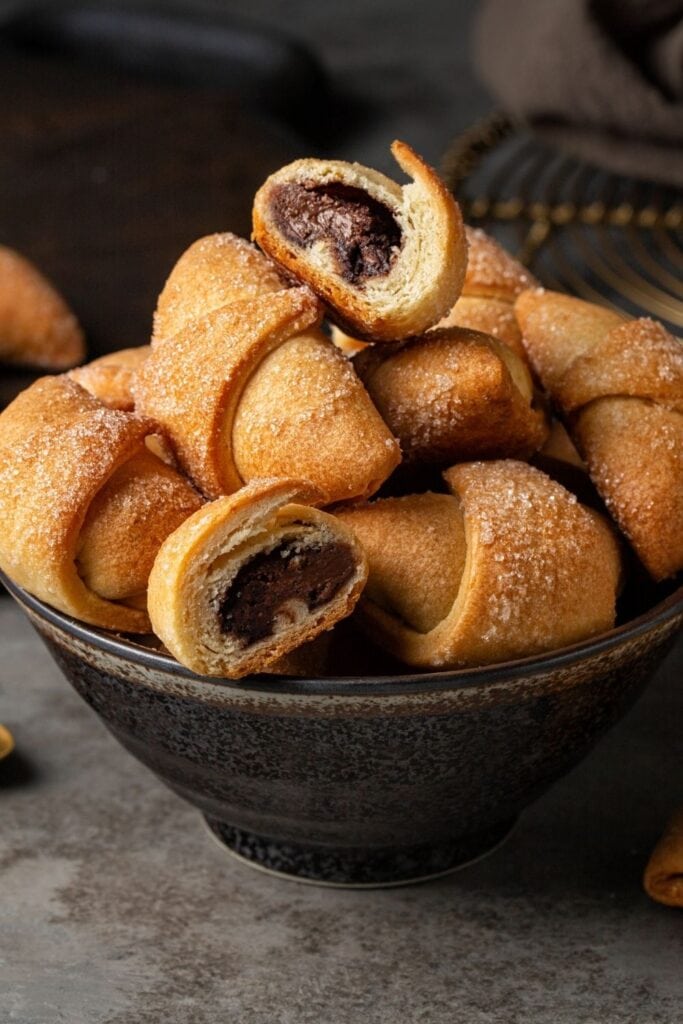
(385, 288)
(199, 565)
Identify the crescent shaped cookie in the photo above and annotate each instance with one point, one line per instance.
(454, 395)
(251, 388)
(619, 384)
(507, 566)
(37, 328)
(388, 261)
(84, 504)
(251, 577)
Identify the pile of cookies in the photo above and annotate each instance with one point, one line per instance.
(257, 474)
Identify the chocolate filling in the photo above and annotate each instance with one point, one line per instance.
(363, 232)
(270, 579)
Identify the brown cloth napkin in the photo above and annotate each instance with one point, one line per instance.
(600, 78)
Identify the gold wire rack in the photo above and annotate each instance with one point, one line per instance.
(603, 237)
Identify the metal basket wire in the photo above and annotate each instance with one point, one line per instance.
(603, 237)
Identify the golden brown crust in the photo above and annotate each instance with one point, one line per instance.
(491, 316)
(215, 271)
(110, 378)
(620, 383)
(557, 329)
(634, 453)
(426, 272)
(287, 406)
(540, 571)
(559, 445)
(196, 566)
(454, 395)
(638, 358)
(127, 521)
(663, 878)
(306, 394)
(192, 383)
(37, 328)
(416, 545)
(492, 272)
(492, 282)
(58, 448)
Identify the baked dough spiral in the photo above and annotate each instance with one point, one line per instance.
(509, 565)
(252, 576)
(454, 395)
(388, 261)
(84, 504)
(110, 378)
(248, 387)
(619, 385)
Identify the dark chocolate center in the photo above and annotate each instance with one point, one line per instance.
(363, 232)
(312, 574)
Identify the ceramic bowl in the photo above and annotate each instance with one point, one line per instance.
(360, 781)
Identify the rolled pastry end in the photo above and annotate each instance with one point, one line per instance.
(139, 505)
(84, 503)
(389, 262)
(214, 271)
(507, 566)
(453, 395)
(304, 412)
(110, 378)
(37, 328)
(251, 577)
(557, 329)
(663, 878)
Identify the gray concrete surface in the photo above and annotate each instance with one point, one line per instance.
(117, 907)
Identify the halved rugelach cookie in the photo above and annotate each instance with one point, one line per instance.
(454, 395)
(84, 503)
(37, 328)
(619, 385)
(251, 577)
(388, 261)
(493, 280)
(246, 385)
(508, 565)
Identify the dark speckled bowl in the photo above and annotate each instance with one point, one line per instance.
(357, 781)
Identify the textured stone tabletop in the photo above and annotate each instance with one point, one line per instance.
(117, 907)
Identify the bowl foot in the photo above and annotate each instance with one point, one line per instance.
(357, 868)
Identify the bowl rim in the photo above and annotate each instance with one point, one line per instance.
(345, 685)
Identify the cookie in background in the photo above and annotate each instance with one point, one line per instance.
(37, 328)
